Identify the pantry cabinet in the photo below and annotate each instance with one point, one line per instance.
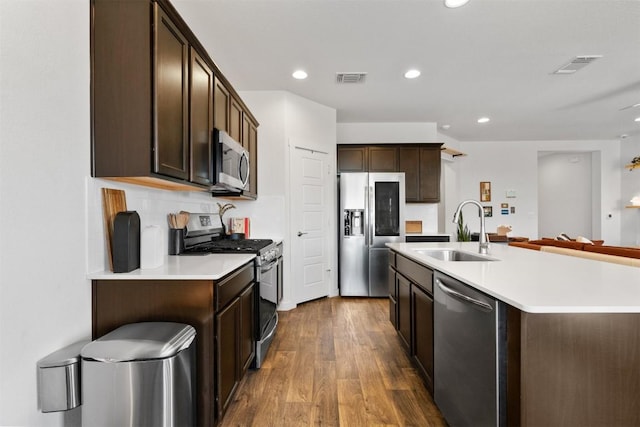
(419, 162)
(156, 96)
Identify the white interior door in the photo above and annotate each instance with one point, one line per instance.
(310, 262)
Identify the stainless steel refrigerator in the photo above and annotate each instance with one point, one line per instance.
(371, 214)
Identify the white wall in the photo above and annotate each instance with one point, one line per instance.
(630, 231)
(512, 165)
(287, 120)
(387, 133)
(44, 159)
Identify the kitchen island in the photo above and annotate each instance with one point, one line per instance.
(572, 329)
(214, 293)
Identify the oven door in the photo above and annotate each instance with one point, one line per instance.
(268, 275)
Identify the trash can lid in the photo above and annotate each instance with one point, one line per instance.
(65, 356)
(140, 341)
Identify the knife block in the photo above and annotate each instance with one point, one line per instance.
(126, 242)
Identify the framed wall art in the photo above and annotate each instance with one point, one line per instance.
(485, 191)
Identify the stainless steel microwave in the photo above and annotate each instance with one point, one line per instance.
(231, 164)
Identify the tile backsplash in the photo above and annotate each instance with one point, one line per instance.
(267, 214)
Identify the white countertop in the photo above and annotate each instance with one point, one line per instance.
(183, 267)
(539, 282)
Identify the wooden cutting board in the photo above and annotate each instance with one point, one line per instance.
(113, 201)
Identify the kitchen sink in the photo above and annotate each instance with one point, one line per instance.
(452, 255)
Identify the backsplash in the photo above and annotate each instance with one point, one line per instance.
(425, 212)
(153, 205)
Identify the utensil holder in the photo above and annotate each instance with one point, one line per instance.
(176, 241)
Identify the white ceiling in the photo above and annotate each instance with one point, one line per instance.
(489, 58)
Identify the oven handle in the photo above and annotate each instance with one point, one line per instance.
(273, 331)
(268, 267)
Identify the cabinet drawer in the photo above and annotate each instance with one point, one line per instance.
(418, 274)
(230, 287)
(392, 259)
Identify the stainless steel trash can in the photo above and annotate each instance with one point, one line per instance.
(141, 374)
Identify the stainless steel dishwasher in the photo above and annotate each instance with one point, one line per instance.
(469, 354)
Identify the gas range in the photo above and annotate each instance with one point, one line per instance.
(205, 235)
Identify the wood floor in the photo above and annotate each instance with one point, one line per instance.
(334, 362)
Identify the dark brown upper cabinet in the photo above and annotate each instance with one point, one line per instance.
(222, 100)
(419, 162)
(353, 158)
(430, 168)
(383, 159)
(156, 96)
(201, 125)
(235, 120)
(409, 163)
(250, 143)
(171, 103)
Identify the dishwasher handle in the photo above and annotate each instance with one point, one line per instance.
(462, 297)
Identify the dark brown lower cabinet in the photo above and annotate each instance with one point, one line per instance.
(422, 308)
(562, 369)
(393, 303)
(227, 354)
(222, 313)
(404, 310)
(414, 312)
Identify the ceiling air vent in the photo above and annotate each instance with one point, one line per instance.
(350, 77)
(576, 64)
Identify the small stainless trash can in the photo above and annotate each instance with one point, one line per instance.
(141, 374)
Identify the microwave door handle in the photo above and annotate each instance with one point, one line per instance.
(244, 159)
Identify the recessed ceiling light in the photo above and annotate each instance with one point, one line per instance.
(445, 127)
(484, 120)
(299, 75)
(412, 74)
(455, 3)
(637, 119)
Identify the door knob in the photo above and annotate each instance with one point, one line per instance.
(300, 233)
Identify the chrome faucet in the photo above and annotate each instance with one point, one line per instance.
(482, 240)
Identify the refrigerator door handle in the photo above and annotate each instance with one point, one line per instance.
(372, 215)
(366, 218)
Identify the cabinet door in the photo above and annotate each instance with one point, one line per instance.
(201, 120)
(353, 159)
(235, 120)
(422, 306)
(409, 163)
(227, 354)
(247, 326)
(250, 137)
(171, 156)
(404, 309)
(393, 304)
(429, 175)
(383, 159)
(221, 102)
